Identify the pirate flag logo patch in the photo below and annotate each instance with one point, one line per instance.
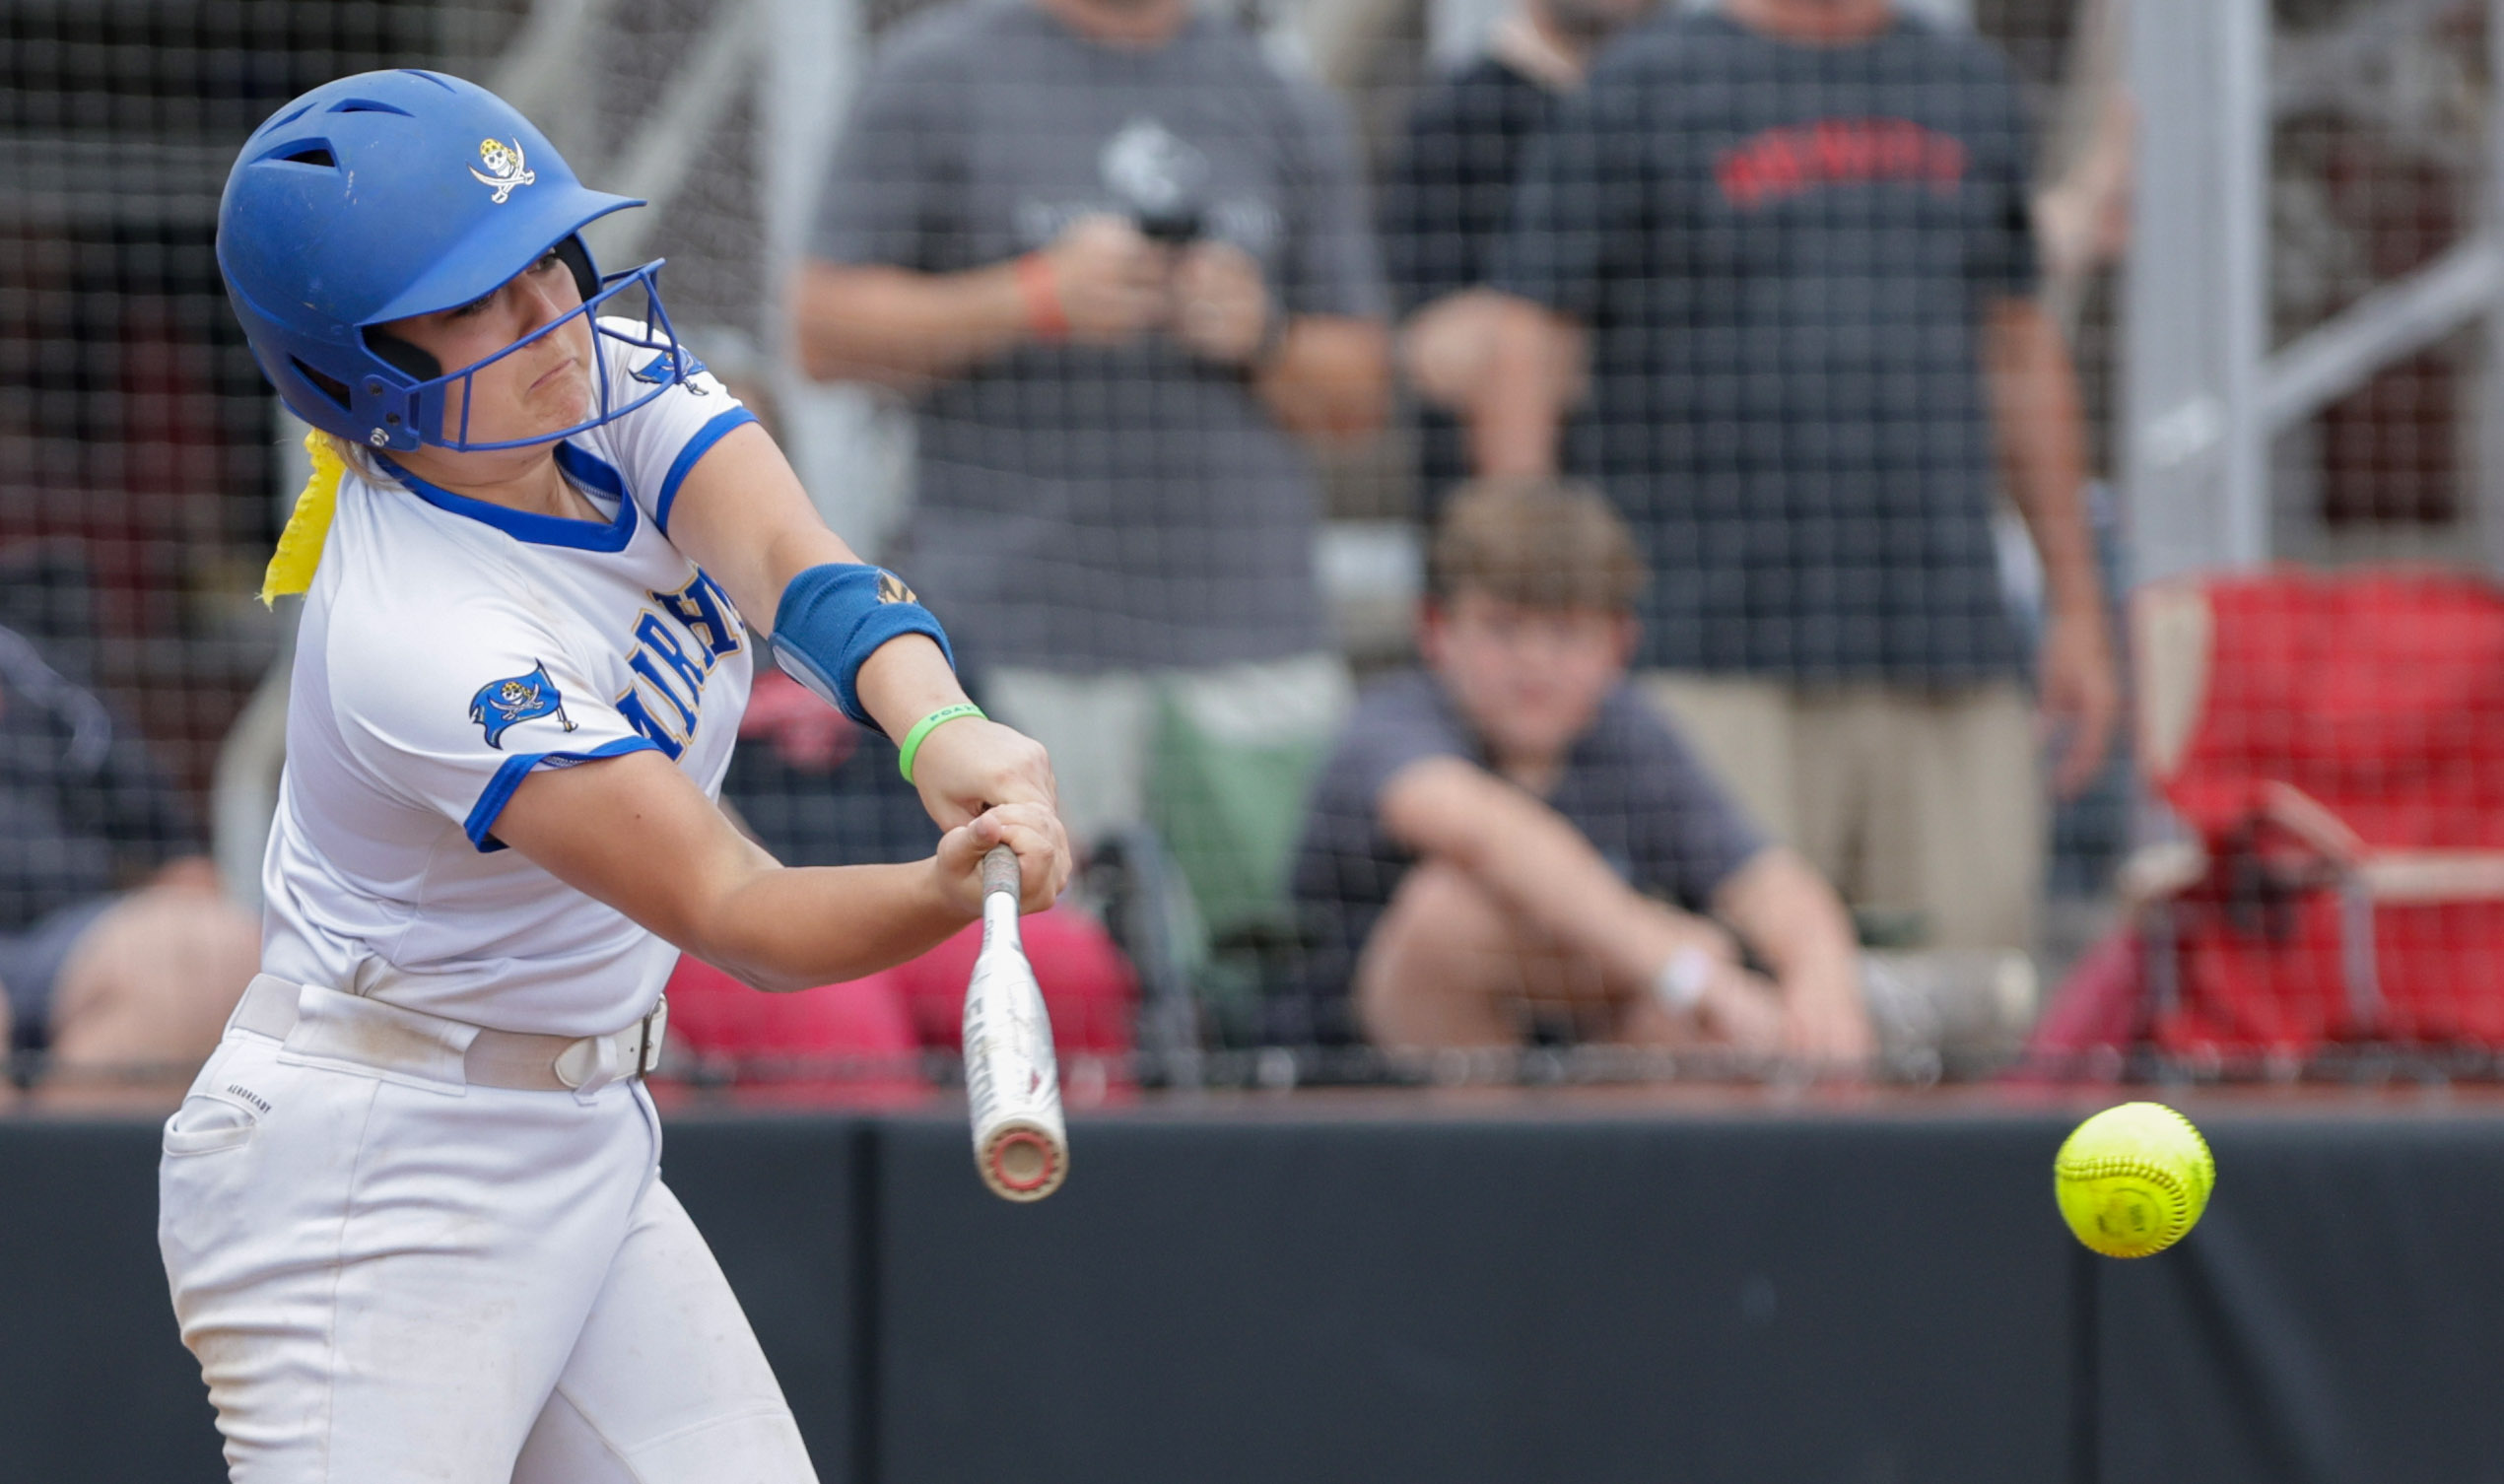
(505, 168)
(501, 705)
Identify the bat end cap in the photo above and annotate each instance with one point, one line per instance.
(1021, 1164)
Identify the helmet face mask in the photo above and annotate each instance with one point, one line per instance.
(389, 195)
(420, 405)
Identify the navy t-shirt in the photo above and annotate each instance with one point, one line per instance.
(1629, 784)
(1784, 254)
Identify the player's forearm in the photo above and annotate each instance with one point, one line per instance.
(793, 927)
(2043, 449)
(1521, 399)
(1791, 920)
(1551, 875)
(898, 328)
(905, 680)
(965, 766)
(1532, 858)
(635, 833)
(1331, 377)
(1444, 347)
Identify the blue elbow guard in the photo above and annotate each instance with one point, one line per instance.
(834, 617)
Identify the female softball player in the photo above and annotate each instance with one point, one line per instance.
(412, 1214)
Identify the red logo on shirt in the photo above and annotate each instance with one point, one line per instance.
(1779, 164)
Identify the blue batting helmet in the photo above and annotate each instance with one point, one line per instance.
(389, 194)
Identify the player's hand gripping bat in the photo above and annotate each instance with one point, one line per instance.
(1020, 1143)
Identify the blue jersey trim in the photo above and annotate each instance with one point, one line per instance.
(589, 469)
(537, 529)
(697, 447)
(500, 789)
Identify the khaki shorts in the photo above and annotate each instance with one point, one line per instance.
(1927, 802)
(1101, 729)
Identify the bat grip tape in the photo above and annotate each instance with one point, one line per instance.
(1000, 877)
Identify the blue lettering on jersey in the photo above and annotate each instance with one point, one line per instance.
(669, 689)
(630, 706)
(501, 705)
(642, 663)
(706, 614)
(658, 642)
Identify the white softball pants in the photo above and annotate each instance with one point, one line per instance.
(390, 1278)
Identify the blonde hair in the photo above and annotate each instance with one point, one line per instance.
(352, 453)
(291, 567)
(1541, 543)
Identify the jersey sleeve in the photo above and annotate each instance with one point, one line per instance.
(2002, 261)
(449, 714)
(654, 447)
(1331, 265)
(1578, 204)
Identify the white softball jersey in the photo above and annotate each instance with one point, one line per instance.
(448, 648)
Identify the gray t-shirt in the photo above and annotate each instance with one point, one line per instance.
(1087, 508)
(1629, 784)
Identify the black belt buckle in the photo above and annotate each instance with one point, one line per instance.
(651, 1027)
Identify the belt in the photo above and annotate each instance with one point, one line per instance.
(320, 1021)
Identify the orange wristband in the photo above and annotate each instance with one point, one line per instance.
(1041, 292)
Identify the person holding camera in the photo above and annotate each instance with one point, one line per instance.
(1122, 265)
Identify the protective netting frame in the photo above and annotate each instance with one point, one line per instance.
(174, 643)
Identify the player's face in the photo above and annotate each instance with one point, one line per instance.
(1528, 680)
(540, 389)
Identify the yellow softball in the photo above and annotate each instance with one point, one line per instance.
(2133, 1180)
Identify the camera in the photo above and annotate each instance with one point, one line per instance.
(1160, 178)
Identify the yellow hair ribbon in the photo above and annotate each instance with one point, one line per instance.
(291, 567)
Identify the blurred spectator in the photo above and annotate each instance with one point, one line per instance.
(1512, 844)
(1798, 232)
(1121, 262)
(1448, 198)
(116, 948)
(804, 732)
(851, 1044)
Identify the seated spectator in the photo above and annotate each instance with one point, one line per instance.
(1511, 844)
(118, 954)
(1121, 262)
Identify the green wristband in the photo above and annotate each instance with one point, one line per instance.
(925, 727)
